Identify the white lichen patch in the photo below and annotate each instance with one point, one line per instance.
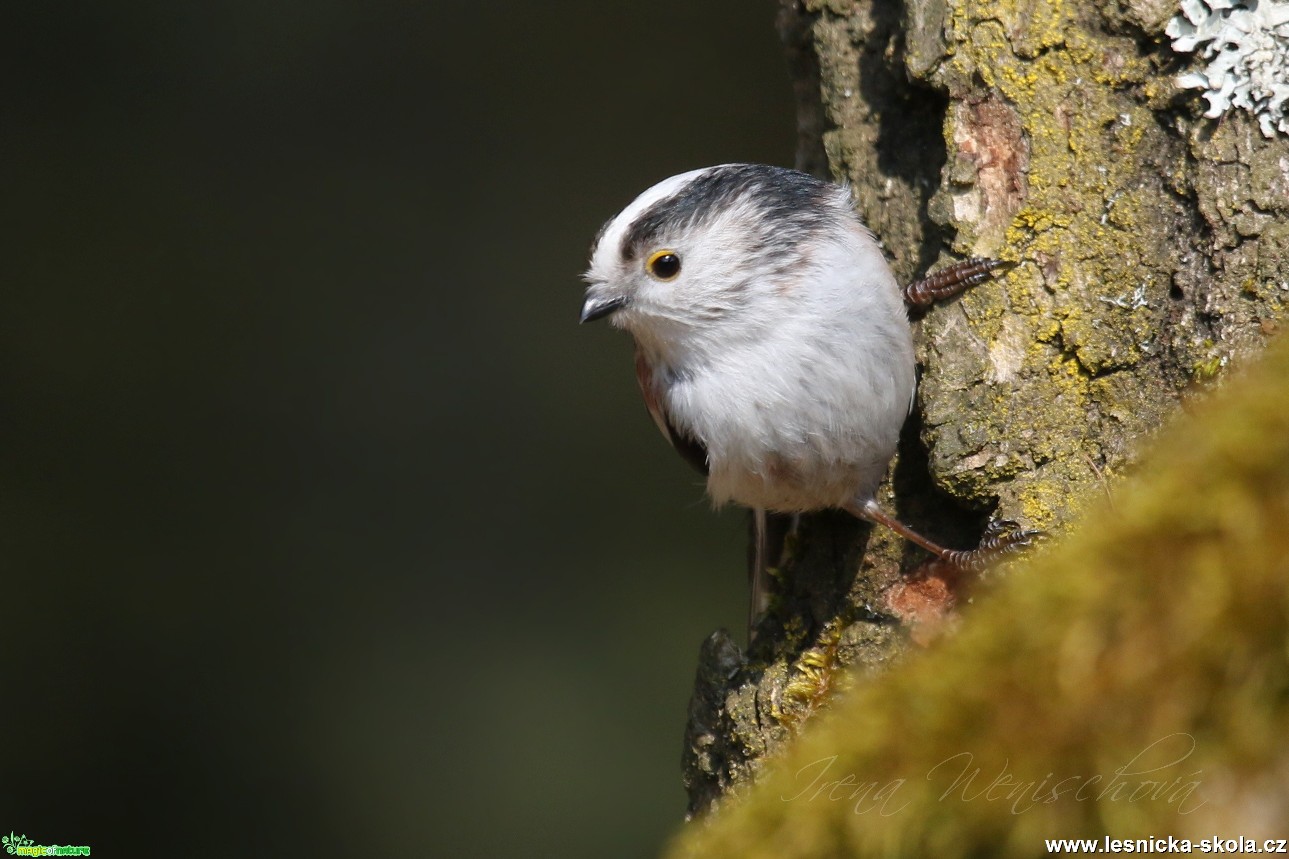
(1246, 43)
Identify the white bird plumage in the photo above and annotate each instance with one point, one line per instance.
(793, 366)
(773, 346)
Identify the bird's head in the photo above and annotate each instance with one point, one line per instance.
(705, 258)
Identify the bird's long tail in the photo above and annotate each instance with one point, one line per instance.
(769, 537)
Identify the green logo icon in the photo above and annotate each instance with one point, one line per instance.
(12, 842)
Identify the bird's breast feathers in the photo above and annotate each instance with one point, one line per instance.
(793, 433)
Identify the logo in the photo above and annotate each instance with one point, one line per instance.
(21, 845)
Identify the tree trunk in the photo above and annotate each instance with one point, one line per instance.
(1151, 249)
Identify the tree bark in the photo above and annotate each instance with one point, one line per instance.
(1151, 249)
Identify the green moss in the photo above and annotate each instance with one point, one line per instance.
(1131, 681)
(1207, 369)
(813, 678)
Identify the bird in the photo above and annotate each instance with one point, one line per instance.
(773, 346)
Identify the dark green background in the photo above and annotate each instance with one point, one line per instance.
(325, 530)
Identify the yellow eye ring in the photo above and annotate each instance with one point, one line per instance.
(663, 264)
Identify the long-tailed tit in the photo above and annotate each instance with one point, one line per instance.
(773, 345)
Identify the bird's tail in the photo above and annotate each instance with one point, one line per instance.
(769, 536)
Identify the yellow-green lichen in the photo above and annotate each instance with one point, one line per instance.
(1093, 296)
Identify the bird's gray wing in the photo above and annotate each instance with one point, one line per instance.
(690, 449)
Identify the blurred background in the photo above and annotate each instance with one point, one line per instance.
(323, 526)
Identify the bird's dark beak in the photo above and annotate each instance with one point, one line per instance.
(600, 306)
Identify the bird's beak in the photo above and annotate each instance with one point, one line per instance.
(600, 306)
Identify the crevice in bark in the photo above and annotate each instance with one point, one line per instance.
(924, 506)
(795, 24)
(909, 119)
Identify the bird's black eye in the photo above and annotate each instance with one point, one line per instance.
(663, 264)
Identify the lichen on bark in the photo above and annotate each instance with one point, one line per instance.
(1064, 155)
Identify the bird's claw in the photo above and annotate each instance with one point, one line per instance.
(1001, 537)
(951, 280)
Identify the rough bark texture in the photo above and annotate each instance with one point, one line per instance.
(1152, 250)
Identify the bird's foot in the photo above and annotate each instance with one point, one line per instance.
(951, 280)
(1002, 537)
